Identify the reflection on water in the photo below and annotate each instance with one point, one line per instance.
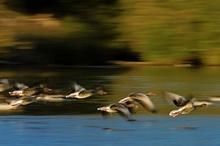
(119, 82)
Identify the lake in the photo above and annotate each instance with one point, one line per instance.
(79, 123)
(93, 130)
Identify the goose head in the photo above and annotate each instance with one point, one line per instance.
(100, 91)
(107, 109)
(175, 113)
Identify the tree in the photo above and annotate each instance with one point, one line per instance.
(93, 43)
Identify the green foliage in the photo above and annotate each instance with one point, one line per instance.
(91, 36)
(97, 31)
(167, 31)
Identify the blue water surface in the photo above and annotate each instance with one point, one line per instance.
(84, 130)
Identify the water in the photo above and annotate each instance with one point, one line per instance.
(79, 123)
(93, 130)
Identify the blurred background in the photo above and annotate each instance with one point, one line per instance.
(77, 33)
(100, 32)
(81, 40)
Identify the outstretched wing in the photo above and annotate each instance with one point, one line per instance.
(178, 100)
(20, 86)
(122, 110)
(130, 104)
(74, 87)
(4, 81)
(4, 85)
(143, 100)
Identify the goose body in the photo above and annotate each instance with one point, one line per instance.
(80, 92)
(127, 107)
(119, 108)
(22, 101)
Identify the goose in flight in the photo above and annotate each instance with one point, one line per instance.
(185, 105)
(80, 92)
(23, 90)
(128, 106)
(119, 108)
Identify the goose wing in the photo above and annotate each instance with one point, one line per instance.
(122, 110)
(76, 87)
(4, 81)
(4, 85)
(20, 86)
(144, 100)
(178, 100)
(132, 106)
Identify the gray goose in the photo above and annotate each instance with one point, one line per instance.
(21, 101)
(79, 92)
(185, 105)
(22, 90)
(127, 107)
(119, 108)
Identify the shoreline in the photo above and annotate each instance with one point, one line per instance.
(133, 63)
(112, 63)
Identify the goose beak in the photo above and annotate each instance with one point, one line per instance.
(174, 114)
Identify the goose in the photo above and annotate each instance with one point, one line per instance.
(127, 107)
(119, 108)
(185, 105)
(18, 89)
(80, 92)
(27, 91)
(21, 101)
